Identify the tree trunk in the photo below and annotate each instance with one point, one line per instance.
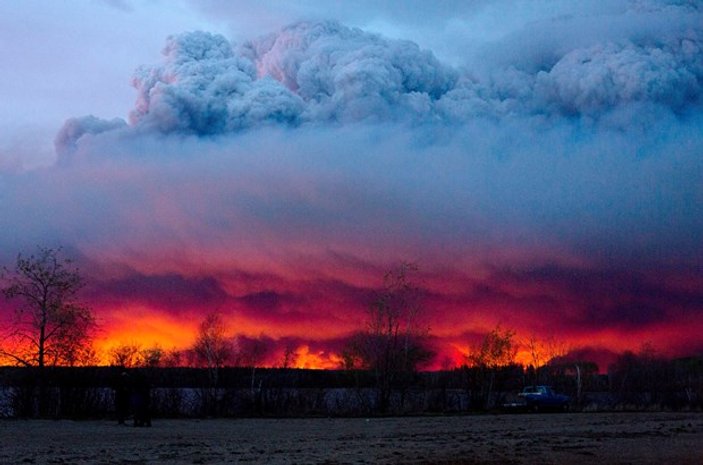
(41, 381)
(578, 384)
(491, 380)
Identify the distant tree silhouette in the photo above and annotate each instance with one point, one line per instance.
(173, 358)
(643, 377)
(50, 326)
(152, 357)
(124, 355)
(497, 349)
(249, 353)
(393, 343)
(545, 354)
(290, 357)
(134, 355)
(688, 376)
(212, 350)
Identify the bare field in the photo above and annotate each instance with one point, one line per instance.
(605, 438)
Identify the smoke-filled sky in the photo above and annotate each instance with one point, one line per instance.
(540, 161)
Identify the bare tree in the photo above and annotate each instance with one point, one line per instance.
(496, 350)
(50, 326)
(134, 355)
(393, 343)
(536, 349)
(124, 355)
(290, 356)
(555, 349)
(212, 350)
(173, 358)
(546, 356)
(250, 353)
(152, 356)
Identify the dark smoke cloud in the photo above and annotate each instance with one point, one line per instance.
(75, 128)
(172, 293)
(281, 177)
(320, 72)
(328, 73)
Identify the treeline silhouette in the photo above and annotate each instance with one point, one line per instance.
(633, 382)
(49, 341)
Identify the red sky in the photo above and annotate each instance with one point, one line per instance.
(545, 174)
(595, 313)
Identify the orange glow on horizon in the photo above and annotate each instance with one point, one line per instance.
(147, 327)
(144, 329)
(167, 332)
(320, 360)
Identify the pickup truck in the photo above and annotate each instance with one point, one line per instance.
(539, 398)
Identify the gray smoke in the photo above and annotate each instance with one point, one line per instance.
(345, 74)
(75, 128)
(565, 162)
(619, 67)
(203, 88)
(305, 73)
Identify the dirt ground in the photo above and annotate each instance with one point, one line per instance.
(601, 438)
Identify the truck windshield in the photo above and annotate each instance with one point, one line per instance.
(534, 390)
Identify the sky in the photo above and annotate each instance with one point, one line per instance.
(540, 161)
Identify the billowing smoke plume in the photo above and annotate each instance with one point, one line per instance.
(345, 74)
(328, 73)
(305, 73)
(75, 128)
(203, 88)
(553, 185)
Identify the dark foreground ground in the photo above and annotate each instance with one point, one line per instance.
(600, 438)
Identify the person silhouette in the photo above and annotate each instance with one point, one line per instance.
(141, 400)
(122, 397)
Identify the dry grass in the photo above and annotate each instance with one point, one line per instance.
(613, 438)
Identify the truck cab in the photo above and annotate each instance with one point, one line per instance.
(536, 398)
